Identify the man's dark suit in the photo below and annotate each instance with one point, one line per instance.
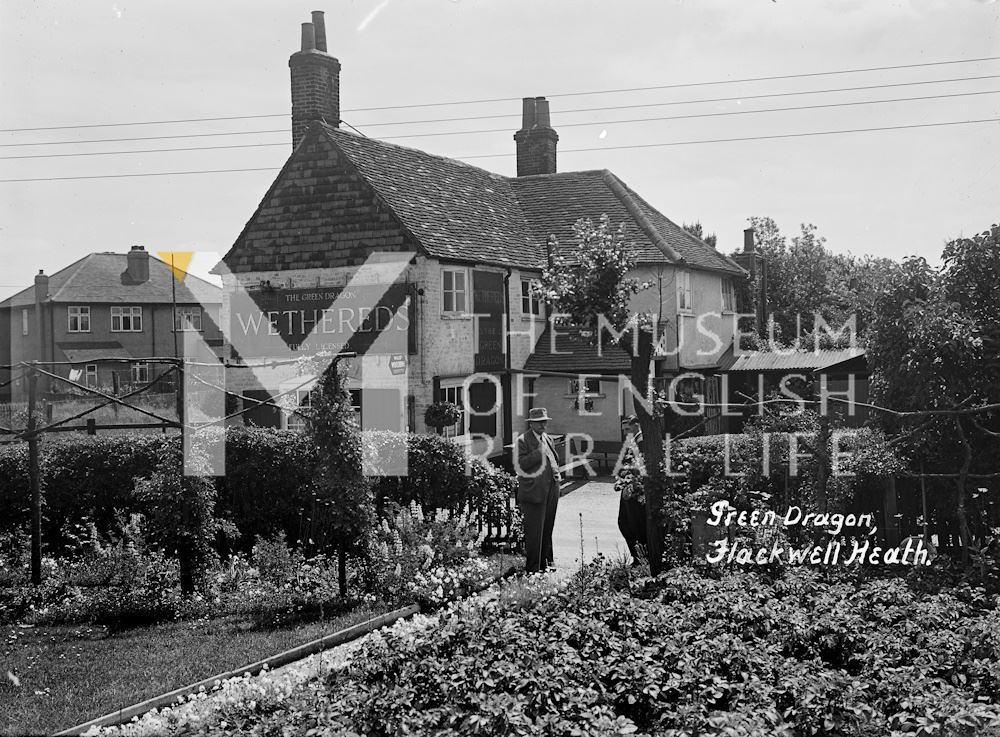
(538, 497)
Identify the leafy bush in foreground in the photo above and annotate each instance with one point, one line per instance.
(681, 655)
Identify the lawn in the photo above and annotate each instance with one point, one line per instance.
(71, 674)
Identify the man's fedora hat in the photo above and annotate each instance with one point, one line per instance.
(537, 414)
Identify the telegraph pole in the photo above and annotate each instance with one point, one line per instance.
(35, 476)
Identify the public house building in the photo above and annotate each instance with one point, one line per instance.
(478, 240)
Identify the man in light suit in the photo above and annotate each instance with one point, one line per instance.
(538, 474)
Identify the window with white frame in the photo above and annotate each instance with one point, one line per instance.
(684, 291)
(24, 322)
(454, 395)
(126, 319)
(728, 295)
(296, 421)
(187, 317)
(140, 373)
(90, 375)
(454, 290)
(530, 304)
(79, 319)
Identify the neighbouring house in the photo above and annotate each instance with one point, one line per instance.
(102, 316)
(478, 240)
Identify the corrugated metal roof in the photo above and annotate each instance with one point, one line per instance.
(784, 360)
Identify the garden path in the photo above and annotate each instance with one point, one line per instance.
(593, 507)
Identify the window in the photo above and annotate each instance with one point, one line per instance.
(454, 395)
(592, 387)
(728, 295)
(79, 319)
(90, 375)
(24, 322)
(126, 319)
(297, 421)
(454, 287)
(356, 404)
(140, 373)
(187, 318)
(684, 291)
(529, 302)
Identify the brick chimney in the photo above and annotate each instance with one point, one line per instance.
(137, 267)
(536, 141)
(315, 80)
(754, 262)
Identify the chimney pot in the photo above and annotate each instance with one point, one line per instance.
(748, 240)
(308, 37)
(527, 113)
(542, 113)
(319, 25)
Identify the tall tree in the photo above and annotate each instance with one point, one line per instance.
(935, 345)
(805, 279)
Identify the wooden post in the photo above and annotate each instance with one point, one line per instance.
(92, 426)
(36, 484)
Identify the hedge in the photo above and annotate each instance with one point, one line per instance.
(267, 487)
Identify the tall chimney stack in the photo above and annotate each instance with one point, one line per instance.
(536, 141)
(754, 300)
(315, 80)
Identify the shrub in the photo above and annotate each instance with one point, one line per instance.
(118, 583)
(182, 513)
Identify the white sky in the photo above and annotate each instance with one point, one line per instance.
(890, 193)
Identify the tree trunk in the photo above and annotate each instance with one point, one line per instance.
(652, 452)
(960, 511)
(342, 569)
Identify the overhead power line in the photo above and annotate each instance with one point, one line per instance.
(704, 115)
(145, 138)
(512, 99)
(143, 151)
(572, 150)
(755, 138)
(482, 131)
(738, 98)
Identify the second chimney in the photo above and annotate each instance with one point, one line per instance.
(315, 80)
(137, 267)
(536, 141)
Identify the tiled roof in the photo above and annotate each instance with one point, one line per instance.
(782, 361)
(554, 202)
(694, 251)
(575, 353)
(97, 277)
(452, 210)
(456, 211)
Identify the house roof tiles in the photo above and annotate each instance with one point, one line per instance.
(456, 211)
(97, 277)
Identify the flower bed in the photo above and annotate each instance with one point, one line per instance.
(685, 654)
